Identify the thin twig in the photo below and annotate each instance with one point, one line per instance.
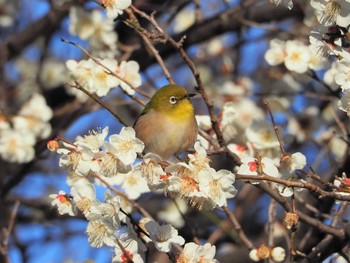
(6, 232)
(290, 183)
(200, 86)
(334, 231)
(238, 228)
(314, 176)
(102, 103)
(271, 222)
(275, 127)
(149, 44)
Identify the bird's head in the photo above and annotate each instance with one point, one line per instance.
(171, 99)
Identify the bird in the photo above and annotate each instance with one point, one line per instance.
(167, 125)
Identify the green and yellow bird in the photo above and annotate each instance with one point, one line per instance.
(167, 125)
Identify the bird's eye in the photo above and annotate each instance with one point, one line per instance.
(173, 100)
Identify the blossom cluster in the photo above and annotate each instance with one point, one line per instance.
(295, 55)
(93, 159)
(101, 78)
(96, 29)
(277, 254)
(247, 133)
(328, 37)
(20, 132)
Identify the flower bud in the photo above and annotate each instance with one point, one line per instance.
(253, 254)
(278, 254)
(263, 252)
(52, 145)
(291, 220)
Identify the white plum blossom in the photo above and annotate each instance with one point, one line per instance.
(52, 73)
(107, 209)
(127, 145)
(337, 146)
(183, 180)
(247, 112)
(318, 45)
(114, 8)
(134, 184)
(239, 150)
(203, 122)
(93, 77)
(215, 46)
(276, 54)
(199, 184)
(197, 253)
(4, 122)
(82, 72)
(217, 185)
(37, 108)
(251, 166)
(297, 56)
(290, 163)
(239, 88)
(228, 115)
(64, 203)
(330, 12)
(152, 171)
(184, 19)
(129, 71)
(102, 80)
(316, 62)
(79, 160)
(16, 146)
(101, 232)
(82, 157)
(199, 160)
(40, 129)
(342, 76)
(237, 116)
(33, 117)
(262, 135)
(344, 102)
(110, 165)
(131, 244)
(84, 194)
(323, 45)
(94, 140)
(329, 75)
(163, 236)
(80, 23)
(95, 28)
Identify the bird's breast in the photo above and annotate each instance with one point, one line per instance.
(166, 134)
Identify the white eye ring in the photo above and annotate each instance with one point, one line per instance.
(173, 100)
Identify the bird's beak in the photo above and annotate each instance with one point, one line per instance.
(189, 95)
